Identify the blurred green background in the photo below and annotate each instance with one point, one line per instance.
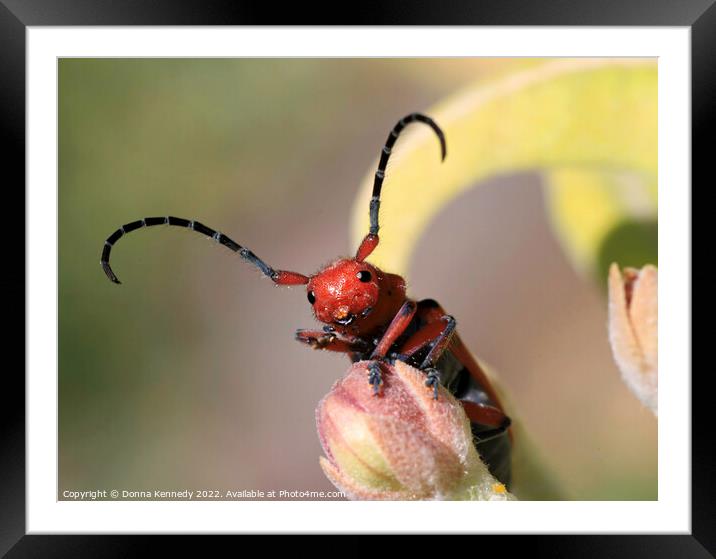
(187, 375)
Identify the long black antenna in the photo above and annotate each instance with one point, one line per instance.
(280, 277)
(385, 155)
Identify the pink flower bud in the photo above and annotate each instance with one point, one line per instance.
(400, 444)
(633, 329)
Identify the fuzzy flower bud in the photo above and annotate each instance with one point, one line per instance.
(633, 329)
(401, 444)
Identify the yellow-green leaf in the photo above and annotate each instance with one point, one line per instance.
(603, 216)
(586, 123)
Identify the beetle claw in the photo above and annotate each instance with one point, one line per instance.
(316, 342)
(433, 381)
(374, 377)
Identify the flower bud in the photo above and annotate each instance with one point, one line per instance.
(401, 444)
(633, 329)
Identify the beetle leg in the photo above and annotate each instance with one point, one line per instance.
(487, 415)
(484, 436)
(375, 379)
(395, 330)
(440, 344)
(437, 345)
(331, 341)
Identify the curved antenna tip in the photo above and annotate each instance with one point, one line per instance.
(109, 273)
(443, 146)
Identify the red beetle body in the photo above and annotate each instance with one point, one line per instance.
(367, 315)
(374, 320)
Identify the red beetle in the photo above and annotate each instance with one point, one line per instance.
(368, 316)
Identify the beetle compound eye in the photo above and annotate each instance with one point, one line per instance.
(363, 276)
(311, 297)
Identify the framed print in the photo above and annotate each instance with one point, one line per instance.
(471, 211)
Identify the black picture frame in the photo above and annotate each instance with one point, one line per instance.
(17, 15)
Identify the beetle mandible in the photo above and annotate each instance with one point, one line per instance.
(368, 316)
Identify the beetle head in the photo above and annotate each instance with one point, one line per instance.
(355, 297)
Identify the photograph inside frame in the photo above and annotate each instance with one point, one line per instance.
(367, 279)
